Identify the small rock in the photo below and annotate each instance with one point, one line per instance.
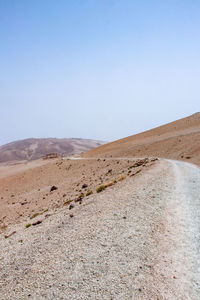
(37, 222)
(47, 215)
(71, 206)
(71, 215)
(53, 188)
(84, 186)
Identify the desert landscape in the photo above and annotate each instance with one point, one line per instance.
(177, 140)
(120, 221)
(99, 150)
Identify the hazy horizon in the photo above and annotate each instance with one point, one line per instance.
(98, 70)
(51, 137)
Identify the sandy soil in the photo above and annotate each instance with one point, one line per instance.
(177, 140)
(25, 188)
(136, 239)
(131, 241)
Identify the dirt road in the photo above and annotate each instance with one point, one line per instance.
(136, 240)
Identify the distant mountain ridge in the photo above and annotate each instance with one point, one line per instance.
(35, 148)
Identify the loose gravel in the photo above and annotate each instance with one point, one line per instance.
(136, 240)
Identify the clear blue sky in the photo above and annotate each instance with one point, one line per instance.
(100, 69)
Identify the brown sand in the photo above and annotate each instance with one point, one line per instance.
(179, 140)
(25, 188)
(135, 239)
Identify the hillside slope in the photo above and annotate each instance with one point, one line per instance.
(177, 140)
(31, 149)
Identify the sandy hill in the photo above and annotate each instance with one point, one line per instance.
(177, 140)
(31, 149)
(83, 228)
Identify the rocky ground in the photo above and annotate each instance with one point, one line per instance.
(137, 239)
(36, 188)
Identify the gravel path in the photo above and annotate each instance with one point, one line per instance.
(188, 198)
(136, 240)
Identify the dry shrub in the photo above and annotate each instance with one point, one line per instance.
(101, 188)
(138, 171)
(34, 215)
(122, 177)
(67, 202)
(110, 183)
(89, 193)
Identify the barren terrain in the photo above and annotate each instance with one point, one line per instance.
(137, 239)
(177, 140)
(25, 189)
(115, 223)
(31, 149)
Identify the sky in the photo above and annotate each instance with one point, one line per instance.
(98, 69)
